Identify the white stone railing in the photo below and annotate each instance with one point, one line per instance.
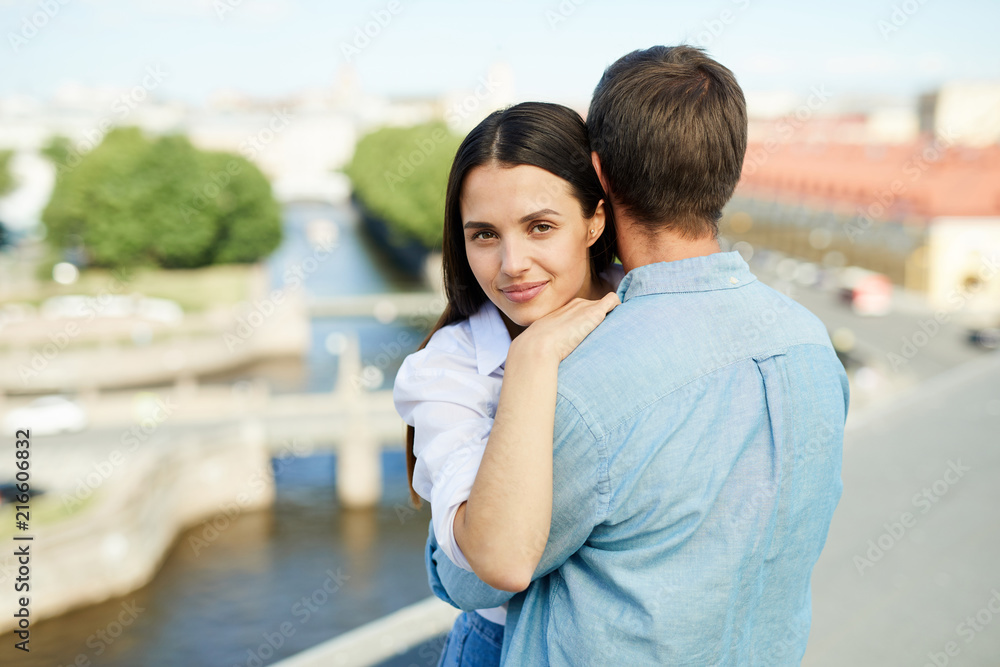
(382, 639)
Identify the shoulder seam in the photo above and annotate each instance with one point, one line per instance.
(604, 474)
(769, 352)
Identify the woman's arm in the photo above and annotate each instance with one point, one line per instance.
(503, 527)
(457, 586)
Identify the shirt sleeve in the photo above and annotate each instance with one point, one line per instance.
(459, 588)
(451, 408)
(580, 486)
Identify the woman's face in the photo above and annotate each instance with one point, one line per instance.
(526, 240)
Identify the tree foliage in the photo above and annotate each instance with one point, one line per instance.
(7, 181)
(162, 202)
(400, 174)
(57, 149)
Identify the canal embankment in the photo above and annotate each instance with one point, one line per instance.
(122, 515)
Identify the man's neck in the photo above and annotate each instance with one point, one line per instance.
(638, 247)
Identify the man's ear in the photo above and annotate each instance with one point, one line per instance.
(600, 174)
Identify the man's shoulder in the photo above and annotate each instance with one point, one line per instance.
(657, 343)
(780, 306)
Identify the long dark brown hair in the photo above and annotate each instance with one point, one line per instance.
(549, 136)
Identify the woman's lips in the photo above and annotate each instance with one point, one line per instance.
(524, 292)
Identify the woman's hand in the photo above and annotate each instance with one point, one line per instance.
(557, 334)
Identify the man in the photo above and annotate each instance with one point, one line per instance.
(699, 428)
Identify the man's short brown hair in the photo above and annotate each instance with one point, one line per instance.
(670, 127)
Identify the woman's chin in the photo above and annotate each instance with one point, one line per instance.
(519, 316)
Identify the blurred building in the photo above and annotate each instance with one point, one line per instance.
(300, 141)
(913, 194)
(463, 109)
(967, 111)
(926, 213)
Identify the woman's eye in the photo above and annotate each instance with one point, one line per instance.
(479, 235)
(539, 226)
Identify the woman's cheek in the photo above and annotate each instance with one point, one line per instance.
(479, 265)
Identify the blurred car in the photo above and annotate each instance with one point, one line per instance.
(78, 306)
(47, 415)
(808, 274)
(9, 492)
(987, 337)
(160, 310)
(69, 306)
(867, 292)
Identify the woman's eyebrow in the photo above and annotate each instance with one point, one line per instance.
(527, 218)
(538, 214)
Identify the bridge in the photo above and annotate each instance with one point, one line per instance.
(383, 307)
(354, 422)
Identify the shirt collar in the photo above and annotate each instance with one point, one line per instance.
(720, 270)
(490, 337)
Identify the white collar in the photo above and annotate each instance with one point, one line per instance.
(490, 337)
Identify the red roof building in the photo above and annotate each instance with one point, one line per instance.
(926, 213)
(909, 182)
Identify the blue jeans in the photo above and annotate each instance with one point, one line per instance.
(472, 642)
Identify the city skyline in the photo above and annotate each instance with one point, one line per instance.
(554, 50)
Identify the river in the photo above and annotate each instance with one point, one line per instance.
(281, 580)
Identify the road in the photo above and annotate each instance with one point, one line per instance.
(892, 353)
(910, 574)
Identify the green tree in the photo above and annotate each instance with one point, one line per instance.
(140, 201)
(7, 180)
(400, 174)
(57, 149)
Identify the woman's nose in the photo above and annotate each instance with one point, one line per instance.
(516, 259)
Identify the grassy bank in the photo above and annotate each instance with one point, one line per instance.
(193, 289)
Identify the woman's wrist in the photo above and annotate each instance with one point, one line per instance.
(530, 349)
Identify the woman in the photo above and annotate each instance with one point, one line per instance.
(527, 253)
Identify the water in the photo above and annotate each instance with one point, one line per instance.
(280, 580)
(272, 584)
(353, 267)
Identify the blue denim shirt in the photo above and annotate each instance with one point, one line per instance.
(697, 454)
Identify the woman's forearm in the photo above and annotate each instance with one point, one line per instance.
(503, 528)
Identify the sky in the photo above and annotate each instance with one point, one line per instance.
(556, 49)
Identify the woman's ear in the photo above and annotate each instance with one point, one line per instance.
(595, 226)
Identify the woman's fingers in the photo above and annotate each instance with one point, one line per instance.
(610, 301)
(566, 327)
(584, 317)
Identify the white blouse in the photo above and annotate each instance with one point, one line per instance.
(451, 389)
